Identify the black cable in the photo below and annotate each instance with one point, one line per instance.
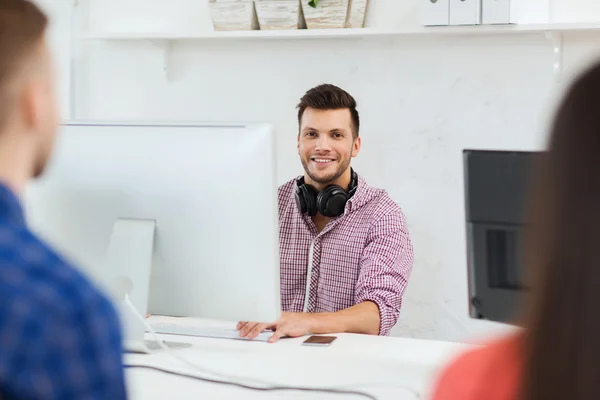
(262, 389)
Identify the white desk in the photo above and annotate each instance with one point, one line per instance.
(352, 360)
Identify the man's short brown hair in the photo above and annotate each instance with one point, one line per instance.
(329, 97)
(22, 28)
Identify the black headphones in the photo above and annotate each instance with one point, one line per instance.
(329, 202)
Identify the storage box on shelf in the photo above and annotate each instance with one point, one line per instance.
(279, 14)
(333, 14)
(435, 12)
(327, 14)
(465, 12)
(233, 15)
(239, 15)
(495, 12)
(357, 13)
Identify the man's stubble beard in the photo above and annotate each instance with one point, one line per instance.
(342, 167)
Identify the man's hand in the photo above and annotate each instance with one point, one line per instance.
(290, 324)
(361, 318)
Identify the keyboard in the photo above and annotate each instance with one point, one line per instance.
(201, 331)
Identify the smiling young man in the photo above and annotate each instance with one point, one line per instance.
(345, 251)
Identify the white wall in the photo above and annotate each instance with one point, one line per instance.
(60, 15)
(421, 100)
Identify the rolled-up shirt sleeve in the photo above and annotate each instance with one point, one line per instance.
(386, 265)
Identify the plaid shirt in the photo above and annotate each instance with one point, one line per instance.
(59, 338)
(365, 254)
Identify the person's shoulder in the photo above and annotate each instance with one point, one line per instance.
(287, 187)
(380, 204)
(286, 190)
(47, 303)
(36, 274)
(476, 373)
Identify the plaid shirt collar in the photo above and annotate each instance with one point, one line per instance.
(11, 210)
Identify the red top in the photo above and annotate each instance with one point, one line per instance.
(489, 373)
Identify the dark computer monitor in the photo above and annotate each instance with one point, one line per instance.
(496, 187)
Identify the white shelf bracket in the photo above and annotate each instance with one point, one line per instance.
(166, 46)
(557, 51)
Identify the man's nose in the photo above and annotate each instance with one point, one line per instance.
(323, 143)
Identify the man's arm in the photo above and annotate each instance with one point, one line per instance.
(70, 353)
(386, 266)
(361, 318)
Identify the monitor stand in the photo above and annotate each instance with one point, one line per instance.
(129, 263)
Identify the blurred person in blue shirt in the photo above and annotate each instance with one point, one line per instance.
(59, 337)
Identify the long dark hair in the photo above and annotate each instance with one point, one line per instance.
(562, 336)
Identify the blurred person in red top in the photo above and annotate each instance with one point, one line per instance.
(557, 354)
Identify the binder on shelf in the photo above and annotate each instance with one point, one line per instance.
(465, 12)
(435, 12)
(495, 12)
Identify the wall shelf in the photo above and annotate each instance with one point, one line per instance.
(347, 33)
(553, 32)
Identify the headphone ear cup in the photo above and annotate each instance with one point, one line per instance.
(305, 200)
(331, 201)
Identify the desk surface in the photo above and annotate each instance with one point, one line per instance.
(373, 364)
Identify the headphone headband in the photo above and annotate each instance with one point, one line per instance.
(353, 182)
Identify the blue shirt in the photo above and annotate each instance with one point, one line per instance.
(59, 337)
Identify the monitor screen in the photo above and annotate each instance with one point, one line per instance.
(496, 187)
(192, 181)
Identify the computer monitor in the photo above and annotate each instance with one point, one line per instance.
(186, 213)
(496, 189)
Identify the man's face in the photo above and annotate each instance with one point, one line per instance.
(326, 144)
(45, 109)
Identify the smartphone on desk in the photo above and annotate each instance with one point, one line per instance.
(319, 341)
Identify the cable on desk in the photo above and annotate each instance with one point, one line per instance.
(257, 388)
(227, 379)
(405, 388)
